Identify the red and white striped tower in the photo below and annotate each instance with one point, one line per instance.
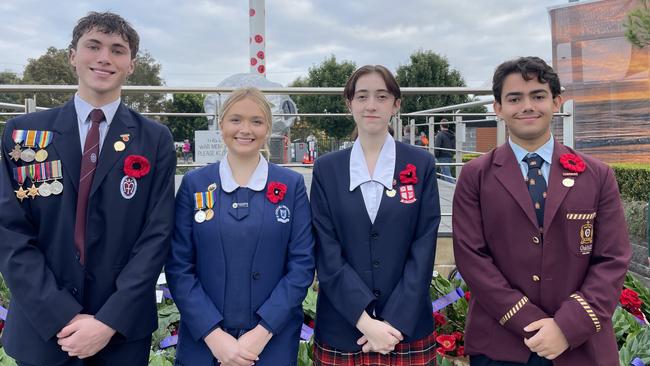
(257, 40)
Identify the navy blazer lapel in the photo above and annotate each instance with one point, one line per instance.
(66, 142)
(509, 175)
(122, 124)
(556, 190)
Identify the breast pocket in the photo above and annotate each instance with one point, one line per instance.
(580, 231)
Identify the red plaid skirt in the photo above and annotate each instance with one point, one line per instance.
(417, 353)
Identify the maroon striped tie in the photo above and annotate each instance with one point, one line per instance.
(88, 167)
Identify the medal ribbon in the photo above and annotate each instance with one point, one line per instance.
(43, 171)
(20, 173)
(30, 141)
(18, 136)
(44, 138)
(209, 199)
(32, 171)
(199, 200)
(55, 169)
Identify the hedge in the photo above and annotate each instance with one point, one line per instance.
(633, 180)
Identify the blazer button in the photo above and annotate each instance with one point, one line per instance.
(375, 264)
(74, 291)
(377, 293)
(77, 255)
(256, 276)
(535, 240)
(535, 278)
(374, 236)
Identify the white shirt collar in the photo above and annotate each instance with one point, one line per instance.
(257, 181)
(83, 109)
(384, 169)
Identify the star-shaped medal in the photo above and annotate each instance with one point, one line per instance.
(21, 194)
(32, 191)
(15, 153)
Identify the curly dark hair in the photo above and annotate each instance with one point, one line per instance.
(109, 23)
(529, 68)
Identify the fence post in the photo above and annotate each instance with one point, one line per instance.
(412, 131)
(568, 136)
(501, 131)
(431, 134)
(30, 105)
(460, 141)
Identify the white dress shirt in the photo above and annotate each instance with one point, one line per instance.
(372, 188)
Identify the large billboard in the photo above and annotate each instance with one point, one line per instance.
(607, 76)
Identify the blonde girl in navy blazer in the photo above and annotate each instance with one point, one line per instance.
(239, 274)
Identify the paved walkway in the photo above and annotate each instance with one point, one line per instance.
(446, 191)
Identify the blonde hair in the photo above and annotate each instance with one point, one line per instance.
(256, 96)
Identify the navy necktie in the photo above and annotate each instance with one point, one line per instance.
(536, 185)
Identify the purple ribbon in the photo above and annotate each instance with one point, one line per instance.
(166, 293)
(168, 342)
(637, 362)
(306, 332)
(3, 313)
(447, 300)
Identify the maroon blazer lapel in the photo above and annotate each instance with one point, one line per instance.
(509, 175)
(556, 190)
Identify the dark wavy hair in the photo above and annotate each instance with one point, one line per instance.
(529, 68)
(108, 23)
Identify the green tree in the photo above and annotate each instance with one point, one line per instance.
(52, 68)
(329, 73)
(10, 78)
(183, 127)
(428, 69)
(147, 72)
(637, 25)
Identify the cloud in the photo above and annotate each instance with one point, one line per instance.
(200, 43)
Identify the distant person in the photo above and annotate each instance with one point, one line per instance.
(187, 148)
(376, 212)
(81, 252)
(242, 255)
(406, 134)
(424, 139)
(444, 142)
(539, 236)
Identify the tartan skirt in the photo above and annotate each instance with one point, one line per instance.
(417, 353)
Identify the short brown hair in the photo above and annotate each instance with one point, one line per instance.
(389, 79)
(108, 23)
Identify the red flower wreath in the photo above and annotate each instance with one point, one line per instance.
(276, 191)
(408, 175)
(573, 163)
(136, 166)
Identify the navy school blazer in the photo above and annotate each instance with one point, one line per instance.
(126, 239)
(282, 270)
(385, 267)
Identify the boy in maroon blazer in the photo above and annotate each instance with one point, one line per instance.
(539, 236)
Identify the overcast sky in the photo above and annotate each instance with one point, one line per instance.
(201, 42)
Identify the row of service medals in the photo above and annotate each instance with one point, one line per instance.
(41, 173)
(203, 203)
(30, 145)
